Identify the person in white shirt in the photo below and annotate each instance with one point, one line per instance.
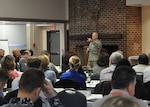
(143, 63)
(106, 74)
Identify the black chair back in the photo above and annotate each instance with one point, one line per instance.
(72, 98)
(103, 88)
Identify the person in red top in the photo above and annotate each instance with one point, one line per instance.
(8, 63)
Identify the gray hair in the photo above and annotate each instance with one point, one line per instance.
(115, 57)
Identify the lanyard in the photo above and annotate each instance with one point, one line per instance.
(116, 93)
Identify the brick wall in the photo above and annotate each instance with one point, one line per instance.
(106, 17)
(134, 31)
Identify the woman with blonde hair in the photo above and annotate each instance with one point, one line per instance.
(72, 73)
(120, 101)
(49, 74)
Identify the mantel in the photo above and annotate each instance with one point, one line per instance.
(101, 36)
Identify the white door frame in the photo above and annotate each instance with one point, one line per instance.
(62, 28)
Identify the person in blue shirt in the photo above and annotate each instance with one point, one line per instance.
(72, 73)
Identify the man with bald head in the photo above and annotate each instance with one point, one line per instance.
(17, 55)
(93, 49)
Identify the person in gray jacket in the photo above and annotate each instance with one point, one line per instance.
(23, 60)
(123, 84)
(31, 83)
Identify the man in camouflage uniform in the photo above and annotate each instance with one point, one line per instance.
(93, 49)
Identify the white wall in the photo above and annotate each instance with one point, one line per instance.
(23, 37)
(34, 35)
(145, 29)
(34, 9)
(16, 35)
(62, 29)
(42, 38)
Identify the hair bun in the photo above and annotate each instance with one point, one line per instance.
(75, 60)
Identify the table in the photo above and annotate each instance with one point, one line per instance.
(87, 93)
(92, 83)
(92, 98)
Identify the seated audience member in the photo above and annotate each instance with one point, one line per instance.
(72, 73)
(140, 91)
(123, 83)
(3, 80)
(32, 62)
(120, 101)
(105, 87)
(50, 65)
(23, 60)
(123, 62)
(2, 53)
(49, 74)
(65, 65)
(65, 59)
(22, 51)
(106, 74)
(12, 94)
(31, 51)
(102, 63)
(142, 63)
(31, 83)
(8, 63)
(17, 55)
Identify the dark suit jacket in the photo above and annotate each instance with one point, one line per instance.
(2, 101)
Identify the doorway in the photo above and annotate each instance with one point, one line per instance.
(53, 46)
